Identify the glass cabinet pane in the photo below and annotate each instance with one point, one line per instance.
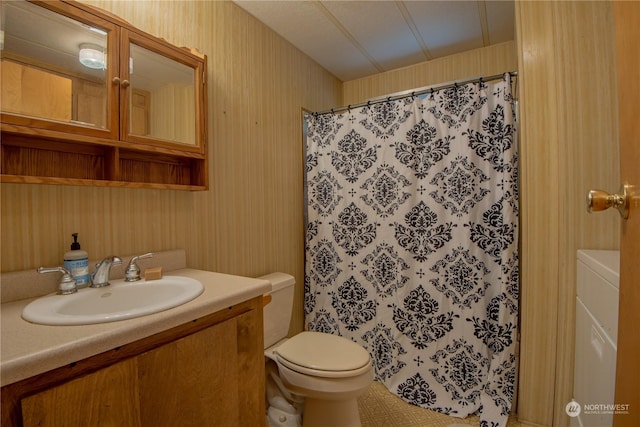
(53, 67)
(162, 101)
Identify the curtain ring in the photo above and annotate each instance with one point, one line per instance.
(433, 94)
(349, 108)
(369, 103)
(332, 112)
(389, 99)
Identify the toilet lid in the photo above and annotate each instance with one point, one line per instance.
(319, 352)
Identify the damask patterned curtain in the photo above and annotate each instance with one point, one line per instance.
(412, 243)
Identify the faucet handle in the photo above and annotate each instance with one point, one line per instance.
(132, 272)
(67, 284)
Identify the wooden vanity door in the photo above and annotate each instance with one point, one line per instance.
(211, 378)
(185, 382)
(207, 372)
(108, 397)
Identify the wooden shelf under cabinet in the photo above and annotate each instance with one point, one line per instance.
(47, 160)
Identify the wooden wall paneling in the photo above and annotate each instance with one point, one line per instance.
(585, 54)
(484, 61)
(563, 48)
(250, 221)
(539, 221)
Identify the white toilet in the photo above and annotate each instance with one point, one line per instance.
(327, 371)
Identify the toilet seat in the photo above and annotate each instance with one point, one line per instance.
(323, 355)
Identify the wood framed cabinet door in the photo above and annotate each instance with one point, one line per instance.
(207, 372)
(108, 397)
(89, 99)
(211, 378)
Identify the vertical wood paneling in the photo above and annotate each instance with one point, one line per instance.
(568, 144)
(250, 221)
(539, 182)
(589, 158)
(485, 61)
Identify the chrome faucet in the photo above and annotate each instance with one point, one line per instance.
(132, 272)
(100, 277)
(67, 284)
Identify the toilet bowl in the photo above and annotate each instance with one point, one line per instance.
(328, 371)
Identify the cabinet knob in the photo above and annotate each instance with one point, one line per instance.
(124, 83)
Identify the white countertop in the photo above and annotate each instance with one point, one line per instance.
(29, 349)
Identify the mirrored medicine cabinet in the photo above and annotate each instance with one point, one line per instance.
(88, 99)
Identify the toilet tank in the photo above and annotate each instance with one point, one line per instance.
(277, 314)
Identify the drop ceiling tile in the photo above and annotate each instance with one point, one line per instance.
(377, 35)
(311, 31)
(500, 20)
(447, 27)
(380, 29)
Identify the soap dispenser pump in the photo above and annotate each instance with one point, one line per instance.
(77, 262)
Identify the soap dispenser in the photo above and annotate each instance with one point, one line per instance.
(77, 262)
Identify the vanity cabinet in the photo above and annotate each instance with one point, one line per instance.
(209, 372)
(107, 397)
(88, 99)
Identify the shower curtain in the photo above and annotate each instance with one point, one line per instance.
(412, 243)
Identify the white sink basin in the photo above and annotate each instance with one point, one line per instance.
(122, 300)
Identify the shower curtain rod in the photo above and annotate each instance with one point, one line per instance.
(414, 92)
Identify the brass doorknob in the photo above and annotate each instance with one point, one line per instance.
(598, 200)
